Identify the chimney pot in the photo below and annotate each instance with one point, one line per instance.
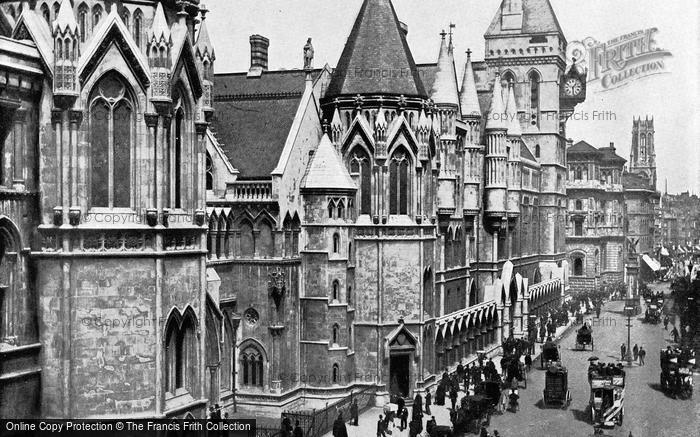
(258, 54)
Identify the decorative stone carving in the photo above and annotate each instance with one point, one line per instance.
(276, 286)
(251, 316)
(74, 216)
(57, 216)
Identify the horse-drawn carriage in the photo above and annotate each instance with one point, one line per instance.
(549, 354)
(653, 313)
(473, 413)
(584, 337)
(607, 402)
(513, 369)
(556, 387)
(677, 372)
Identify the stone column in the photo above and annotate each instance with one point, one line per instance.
(56, 120)
(275, 382)
(77, 170)
(19, 153)
(151, 159)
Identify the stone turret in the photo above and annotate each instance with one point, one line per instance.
(204, 53)
(159, 47)
(496, 155)
(66, 53)
(473, 151)
(514, 137)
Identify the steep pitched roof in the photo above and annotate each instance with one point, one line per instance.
(525, 152)
(253, 117)
(31, 26)
(326, 170)
(444, 89)
(582, 148)
(497, 111)
(376, 45)
(538, 17)
(609, 155)
(65, 21)
(204, 44)
(513, 121)
(468, 96)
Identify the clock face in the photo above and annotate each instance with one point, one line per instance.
(572, 87)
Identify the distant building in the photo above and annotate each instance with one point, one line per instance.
(678, 222)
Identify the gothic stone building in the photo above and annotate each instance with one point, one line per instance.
(375, 223)
(153, 265)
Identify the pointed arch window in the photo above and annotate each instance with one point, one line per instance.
(126, 17)
(399, 185)
(336, 373)
(534, 98)
(331, 208)
(176, 170)
(83, 20)
(111, 138)
(360, 169)
(138, 26)
(56, 8)
(252, 366)
(537, 154)
(96, 15)
(180, 355)
(45, 12)
(336, 291)
(336, 335)
(348, 297)
(341, 209)
(336, 243)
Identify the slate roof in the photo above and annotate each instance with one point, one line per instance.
(538, 17)
(609, 155)
(582, 148)
(427, 73)
(633, 181)
(525, 152)
(253, 117)
(326, 170)
(444, 89)
(376, 58)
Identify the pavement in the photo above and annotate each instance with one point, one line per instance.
(648, 411)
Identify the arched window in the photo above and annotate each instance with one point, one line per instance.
(473, 296)
(56, 8)
(111, 137)
(138, 26)
(579, 205)
(83, 20)
(336, 373)
(348, 297)
(537, 152)
(534, 98)
(180, 354)
(399, 184)
(247, 242)
(507, 78)
(45, 12)
(341, 209)
(13, 297)
(209, 172)
(336, 243)
(578, 228)
(578, 174)
(331, 208)
(360, 169)
(176, 170)
(336, 291)
(351, 257)
(336, 335)
(125, 16)
(96, 15)
(578, 266)
(252, 367)
(265, 245)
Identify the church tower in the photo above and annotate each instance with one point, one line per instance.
(642, 154)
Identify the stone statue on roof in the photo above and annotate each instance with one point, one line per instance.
(308, 54)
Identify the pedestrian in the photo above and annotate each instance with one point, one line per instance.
(597, 312)
(528, 361)
(297, 430)
(453, 398)
(354, 412)
(401, 404)
(543, 333)
(674, 334)
(460, 370)
(339, 429)
(635, 352)
(623, 351)
(666, 323)
(380, 427)
(404, 419)
(428, 402)
(496, 434)
(642, 354)
(287, 426)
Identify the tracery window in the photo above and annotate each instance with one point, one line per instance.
(360, 170)
(83, 20)
(252, 367)
(398, 182)
(96, 15)
(111, 132)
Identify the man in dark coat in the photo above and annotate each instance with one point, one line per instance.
(401, 404)
(297, 430)
(623, 351)
(428, 402)
(415, 428)
(404, 419)
(339, 429)
(418, 407)
(460, 370)
(453, 398)
(380, 427)
(286, 426)
(354, 412)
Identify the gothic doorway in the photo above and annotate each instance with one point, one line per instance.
(400, 374)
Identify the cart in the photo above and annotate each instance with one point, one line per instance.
(677, 372)
(652, 313)
(514, 369)
(584, 337)
(473, 413)
(556, 387)
(549, 354)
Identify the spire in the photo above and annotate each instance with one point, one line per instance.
(496, 113)
(380, 122)
(445, 86)
(468, 97)
(513, 122)
(376, 44)
(326, 170)
(160, 29)
(423, 122)
(204, 45)
(65, 21)
(524, 17)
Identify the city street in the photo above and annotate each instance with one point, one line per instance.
(648, 411)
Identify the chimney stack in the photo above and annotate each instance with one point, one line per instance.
(258, 55)
(612, 146)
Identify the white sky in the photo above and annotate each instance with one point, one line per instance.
(671, 98)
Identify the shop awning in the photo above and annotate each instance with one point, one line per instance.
(653, 264)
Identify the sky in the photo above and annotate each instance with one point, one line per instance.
(671, 98)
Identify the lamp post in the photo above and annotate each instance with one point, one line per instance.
(629, 312)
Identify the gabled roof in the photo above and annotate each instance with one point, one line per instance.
(444, 89)
(537, 17)
(253, 117)
(609, 155)
(376, 44)
(32, 26)
(582, 148)
(112, 30)
(184, 58)
(326, 170)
